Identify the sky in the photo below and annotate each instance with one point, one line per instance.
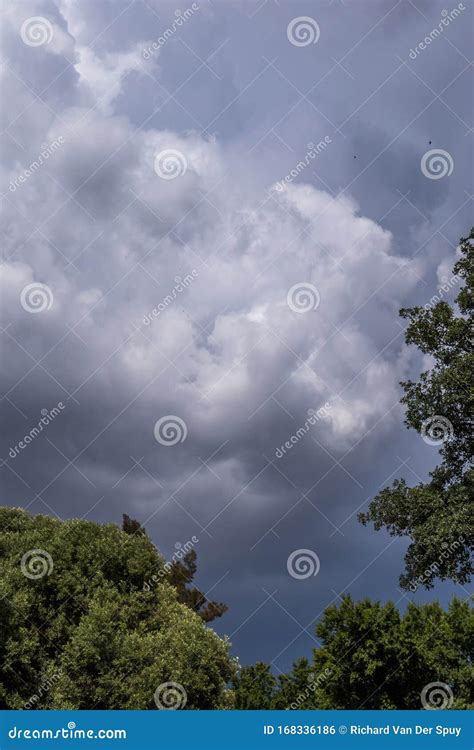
(212, 213)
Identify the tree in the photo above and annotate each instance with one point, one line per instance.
(78, 630)
(296, 690)
(372, 657)
(438, 516)
(255, 687)
(131, 526)
(379, 659)
(179, 574)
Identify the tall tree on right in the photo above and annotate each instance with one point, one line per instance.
(378, 658)
(438, 516)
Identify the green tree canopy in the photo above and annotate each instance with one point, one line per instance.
(378, 658)
(438, 516)
(255, 687)
(297, 688)
(78, 630)
(372, 657)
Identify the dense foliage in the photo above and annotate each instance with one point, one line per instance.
(78, 630)
(372, 657)
(438, 516)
